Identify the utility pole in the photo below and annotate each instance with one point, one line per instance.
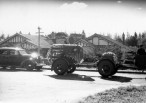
(39, 48)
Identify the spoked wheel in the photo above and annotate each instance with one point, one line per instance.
(71, 68)
(60, 66)
(29, 65)
(106, 68)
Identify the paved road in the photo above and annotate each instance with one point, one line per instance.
(21, 86)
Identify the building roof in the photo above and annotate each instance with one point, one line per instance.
(84, 41)
(33, 39)
(109, 40)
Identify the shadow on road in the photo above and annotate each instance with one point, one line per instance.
(118, 79)
(72, 77)
(131, 71)
(18, 70)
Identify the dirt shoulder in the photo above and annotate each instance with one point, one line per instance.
(130, 94)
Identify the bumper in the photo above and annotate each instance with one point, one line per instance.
(39, 66)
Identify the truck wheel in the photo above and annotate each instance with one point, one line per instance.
(115, 70)
(71, 68)
(29, 65)
(60, 66)
(106, 68)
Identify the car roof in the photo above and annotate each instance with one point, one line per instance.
(10, 48)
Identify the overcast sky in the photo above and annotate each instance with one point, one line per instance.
(73, 16)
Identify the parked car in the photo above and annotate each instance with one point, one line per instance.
(16, 57)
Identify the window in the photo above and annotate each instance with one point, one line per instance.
(3, 52)
(13, 52)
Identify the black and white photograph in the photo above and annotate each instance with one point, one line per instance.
(72, 51)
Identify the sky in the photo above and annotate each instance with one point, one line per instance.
(73, 16)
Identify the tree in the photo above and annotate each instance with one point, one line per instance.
(2, 36)
(123, 38)
(132, 41)
(135, 35)
(143, 34)
(109, 35)
(71, 40)
(61, 35)
(118, 38)
(83, 34)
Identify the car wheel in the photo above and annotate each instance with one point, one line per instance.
(71, 68)
(106, 68)
(60, 66)
(29, 65)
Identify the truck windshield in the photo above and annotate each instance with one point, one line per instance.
(23, 52)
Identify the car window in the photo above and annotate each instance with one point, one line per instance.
(13, 52)
(3, 52)
(22, 52)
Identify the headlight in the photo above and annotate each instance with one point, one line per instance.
(34, 55)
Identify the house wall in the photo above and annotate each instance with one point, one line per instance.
(82, 44)
(103, 42)
(18, 41)
(98, 41)
(103, 45)
(60, 41)
(91, 41)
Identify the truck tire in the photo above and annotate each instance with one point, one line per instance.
(60, 66)
(106, 68)
(115, 70)
(71, 64)
(71, 68)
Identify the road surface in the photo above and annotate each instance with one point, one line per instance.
(21, 86)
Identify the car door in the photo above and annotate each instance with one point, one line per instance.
(13, 58)
(3, 57)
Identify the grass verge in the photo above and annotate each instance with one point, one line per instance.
(130, 94)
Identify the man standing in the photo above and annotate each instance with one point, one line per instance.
(140, 59)
(141, 50)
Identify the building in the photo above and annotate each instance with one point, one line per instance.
(58, 38)
(28, 42)
(89, 48)
(98, 44)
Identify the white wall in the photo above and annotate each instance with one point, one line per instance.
(95, 41)
(103, 42)
(60, 41)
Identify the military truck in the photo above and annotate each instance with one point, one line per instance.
(66, 57)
